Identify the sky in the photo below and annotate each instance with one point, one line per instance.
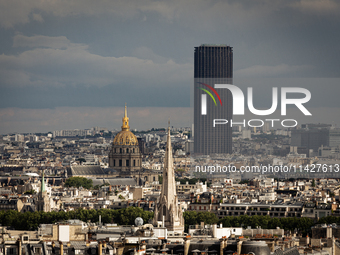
(74, 64)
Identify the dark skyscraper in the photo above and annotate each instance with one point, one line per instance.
(213, 65)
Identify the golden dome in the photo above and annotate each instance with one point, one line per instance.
(125, 137)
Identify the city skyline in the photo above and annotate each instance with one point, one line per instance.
(68, 66)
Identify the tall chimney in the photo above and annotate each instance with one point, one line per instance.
(100, 251)
(19, 247)
(61, 248)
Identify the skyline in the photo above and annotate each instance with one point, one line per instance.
(65, 66)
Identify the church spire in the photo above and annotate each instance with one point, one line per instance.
(42, 188)
(169, 185)
(167, 211)
(125, 126)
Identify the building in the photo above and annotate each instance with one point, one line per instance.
(213, 65)
(168, 213)
(43, 202)
(334, 137)
(125, 156)
(310, 139)
(89, 171)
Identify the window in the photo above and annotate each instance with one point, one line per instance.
(11, 251)
(25, 238)
(127, 162)
(133, 150)
(120, 162)
(127, 150)
(114, 162)
(134, 162)
(120, 150)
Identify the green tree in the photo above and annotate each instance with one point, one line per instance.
(180, 170)
(81, 160)
(193, 218)
(30, 192)
(79, 182)
(244, 182)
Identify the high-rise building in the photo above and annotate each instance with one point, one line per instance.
(213, 65)
(334, 137)
(310, 139)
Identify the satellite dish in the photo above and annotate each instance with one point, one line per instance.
(139, 221)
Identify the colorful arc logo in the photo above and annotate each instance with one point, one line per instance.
(208, 92)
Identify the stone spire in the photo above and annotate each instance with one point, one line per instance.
(42, 188)
(169, 186)
(167, 212)
(125, 126)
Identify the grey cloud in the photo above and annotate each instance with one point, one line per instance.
(65, 63)
(318, 7)
(37, 41)
(85, 53)
(17, 12)
(272, 71)
(37, 17)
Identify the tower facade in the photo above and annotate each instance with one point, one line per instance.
(167, 212)
(213, 65)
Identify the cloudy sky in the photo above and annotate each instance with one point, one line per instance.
(74, 64)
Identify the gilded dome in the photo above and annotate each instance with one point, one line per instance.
(125, 137)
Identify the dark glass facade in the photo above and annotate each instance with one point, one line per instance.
(213, 65)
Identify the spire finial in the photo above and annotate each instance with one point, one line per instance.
(125, 126)
(169, 122)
